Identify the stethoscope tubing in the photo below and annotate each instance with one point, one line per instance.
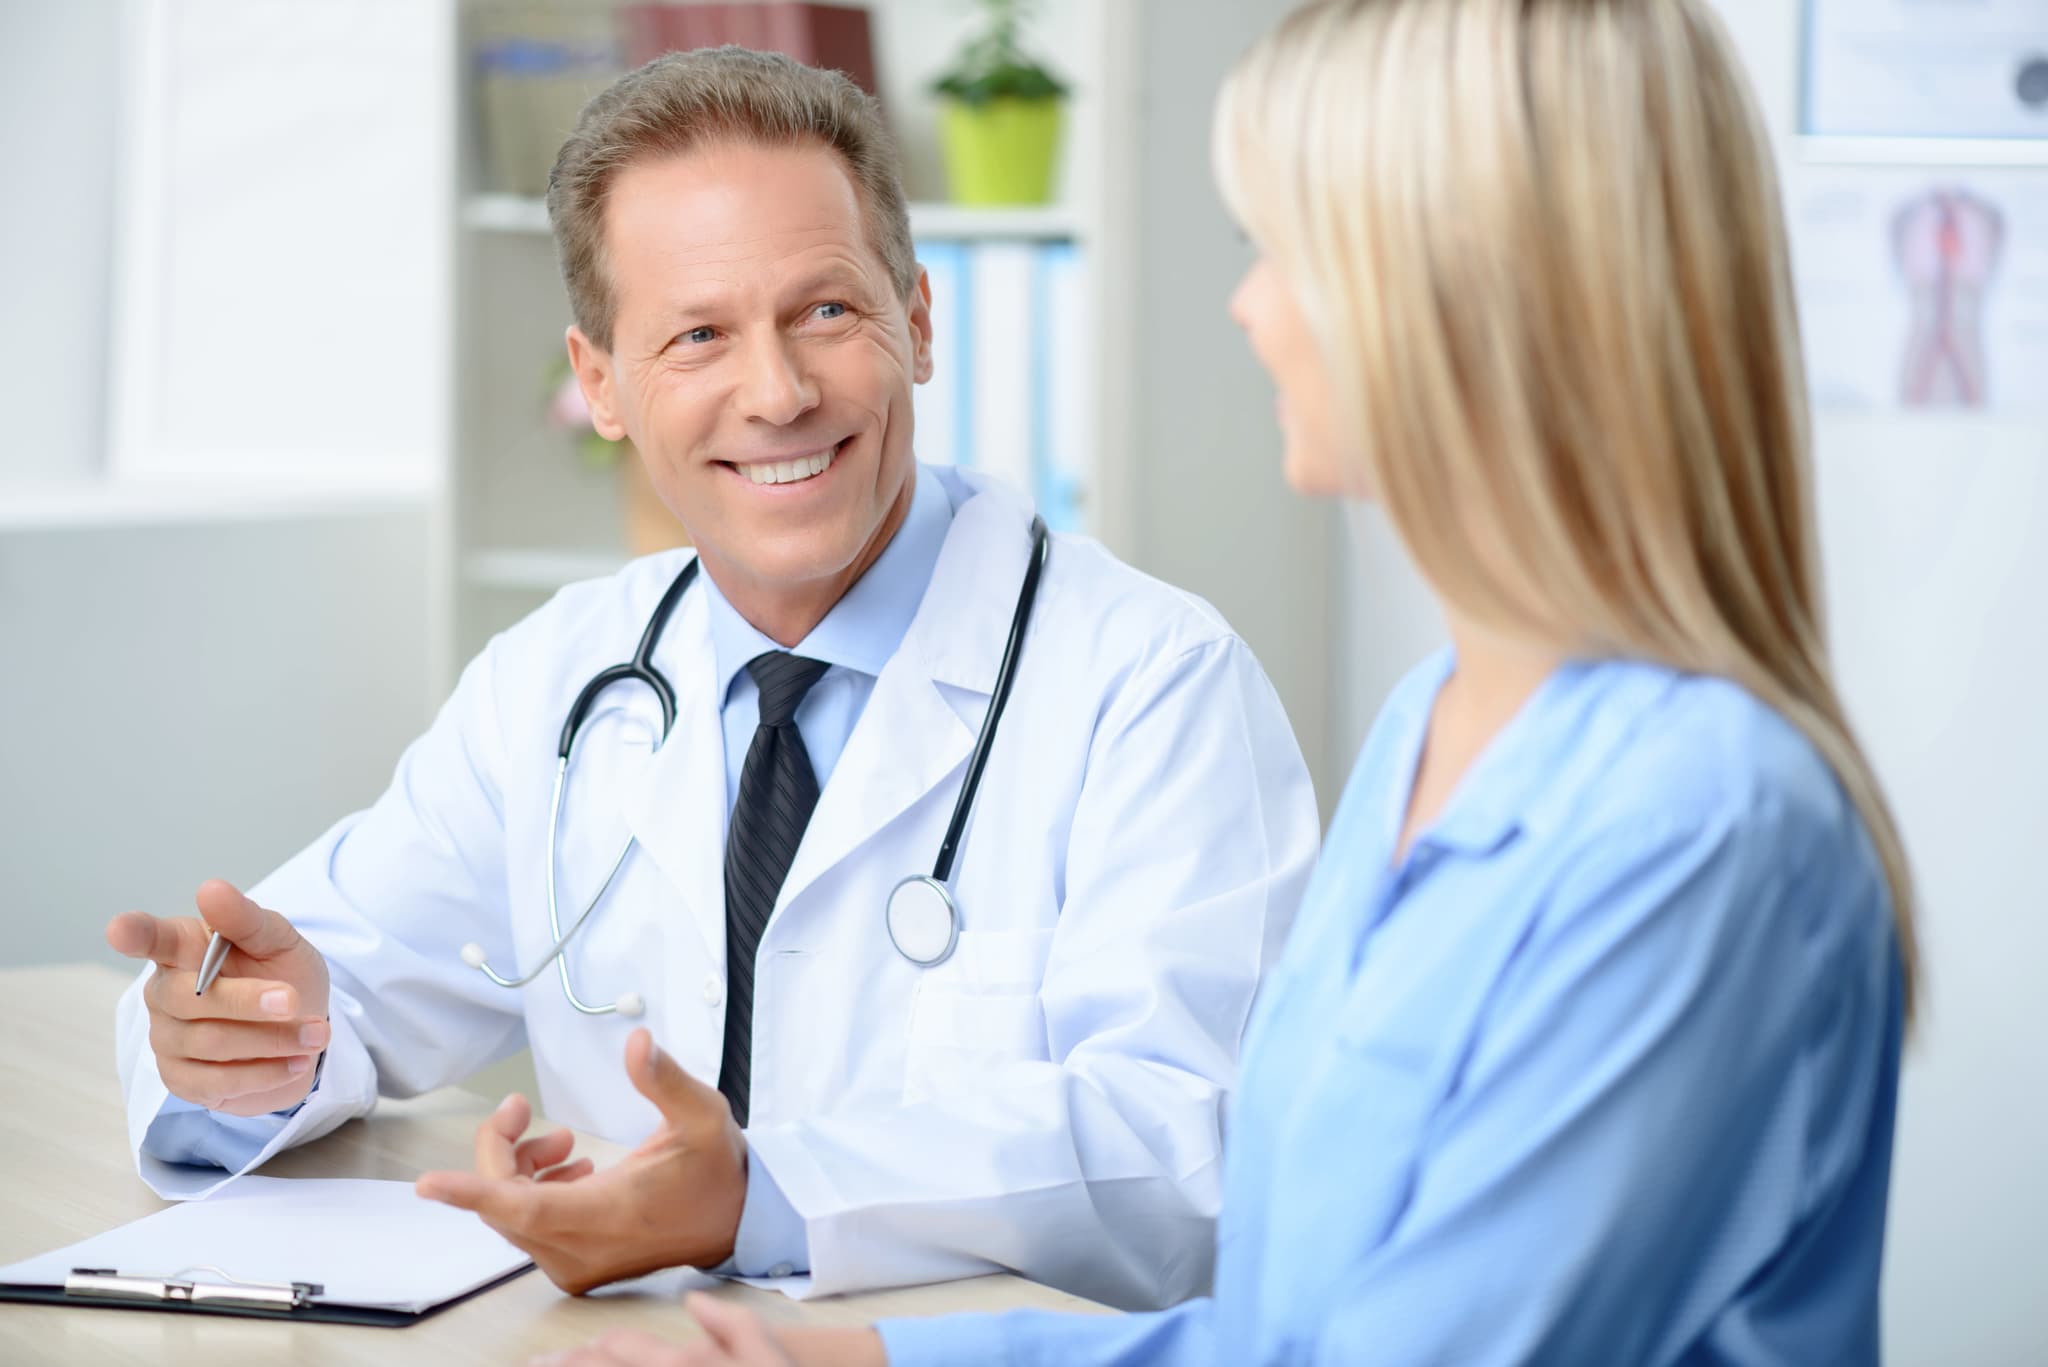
(640, 669)
(1006, 677)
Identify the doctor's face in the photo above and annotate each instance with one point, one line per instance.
(762, 362)
(1306, 407)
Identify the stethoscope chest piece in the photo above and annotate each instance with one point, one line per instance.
(924, 925)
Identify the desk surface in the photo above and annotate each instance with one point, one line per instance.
(66, 1172)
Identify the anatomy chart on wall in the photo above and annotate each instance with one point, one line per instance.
(1926, 68)
(1923, 290)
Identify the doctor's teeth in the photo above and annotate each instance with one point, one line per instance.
(789, 471)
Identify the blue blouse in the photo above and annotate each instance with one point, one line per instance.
(1603, 1070)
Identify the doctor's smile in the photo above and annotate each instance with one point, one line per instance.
(769, 472)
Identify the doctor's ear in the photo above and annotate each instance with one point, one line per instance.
(920, 306)
(592, 365)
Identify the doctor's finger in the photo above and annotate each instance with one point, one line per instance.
(569, 1172)
(228, 999)
(657, 1076)
(211, 1084)
(174, 942)
(219, 1041)
(492, 1154)
(505, 1205)
(257, 931)
(545, 1151)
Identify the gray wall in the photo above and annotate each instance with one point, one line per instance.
(193, 700)
(1211, 511)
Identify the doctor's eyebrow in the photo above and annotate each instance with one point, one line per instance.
(836, 279)
(712, 305)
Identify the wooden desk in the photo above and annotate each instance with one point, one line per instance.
(66, 1172)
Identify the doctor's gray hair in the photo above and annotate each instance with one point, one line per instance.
(684, 100)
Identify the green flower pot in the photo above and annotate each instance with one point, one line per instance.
(1002, 152)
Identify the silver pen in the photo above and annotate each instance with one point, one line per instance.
(209, 964)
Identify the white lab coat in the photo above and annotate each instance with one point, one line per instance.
(1049, 1100)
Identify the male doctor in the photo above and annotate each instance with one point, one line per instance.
(1050, 1097)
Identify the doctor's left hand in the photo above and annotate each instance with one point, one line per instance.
(673, 1202)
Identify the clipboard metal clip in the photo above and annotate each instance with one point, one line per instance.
(180, 1288)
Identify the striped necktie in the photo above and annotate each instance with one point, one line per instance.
(777, 793)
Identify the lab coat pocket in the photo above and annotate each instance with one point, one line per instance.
(958, 1039)
(999, 962)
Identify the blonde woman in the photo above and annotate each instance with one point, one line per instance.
(1585, 1045)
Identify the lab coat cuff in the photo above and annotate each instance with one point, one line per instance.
(771, 1241)
(800, 1183)
(945, 1339)
(181, 1166)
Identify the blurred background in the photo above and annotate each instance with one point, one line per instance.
(285, 441)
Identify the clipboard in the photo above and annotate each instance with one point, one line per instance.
(337, 1251)
(113, 1290)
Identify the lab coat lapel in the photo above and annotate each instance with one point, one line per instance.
(910, 738)
(676, 806)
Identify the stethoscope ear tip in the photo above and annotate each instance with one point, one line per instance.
(473, 954)
(630, 1006)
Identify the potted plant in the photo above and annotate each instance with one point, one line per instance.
(650, 526)
(999, 114)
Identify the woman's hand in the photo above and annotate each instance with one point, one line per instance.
(734, 1336)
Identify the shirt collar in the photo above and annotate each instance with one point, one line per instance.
(865, 627)
(1572, 721)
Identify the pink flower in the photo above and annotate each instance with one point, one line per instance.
(567, 410)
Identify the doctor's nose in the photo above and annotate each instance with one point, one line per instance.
(775, 388)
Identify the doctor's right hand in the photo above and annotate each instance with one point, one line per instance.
(250, 1045)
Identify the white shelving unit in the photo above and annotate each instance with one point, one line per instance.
(537, 571)
(491, 213)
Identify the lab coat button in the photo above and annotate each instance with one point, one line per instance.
(780, 1270)
(714, 992)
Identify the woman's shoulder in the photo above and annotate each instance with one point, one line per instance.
(1698, 762)
(1698, 748)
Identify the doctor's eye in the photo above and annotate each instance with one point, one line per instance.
(830, 310)
(699, 336)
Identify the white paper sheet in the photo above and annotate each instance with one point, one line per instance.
(370, 1244)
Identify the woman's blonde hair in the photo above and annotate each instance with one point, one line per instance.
(1540, 244)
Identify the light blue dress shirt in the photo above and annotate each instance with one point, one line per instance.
(1602, 1071)
(856, 638)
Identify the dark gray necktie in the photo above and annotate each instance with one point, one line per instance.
(777, 792)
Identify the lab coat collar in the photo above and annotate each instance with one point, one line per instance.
(910, 738)
(964, 622)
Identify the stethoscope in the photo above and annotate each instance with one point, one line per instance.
(922, 917)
